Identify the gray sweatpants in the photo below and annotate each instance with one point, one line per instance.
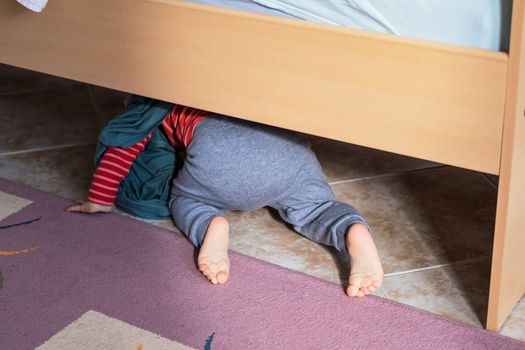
(232, 164)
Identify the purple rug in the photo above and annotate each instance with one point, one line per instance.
(73, 281)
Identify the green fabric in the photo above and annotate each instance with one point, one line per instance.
(145, 191)
(140, 118)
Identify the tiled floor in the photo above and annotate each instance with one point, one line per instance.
(432, 223)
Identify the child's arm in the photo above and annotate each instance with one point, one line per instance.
(113, 168)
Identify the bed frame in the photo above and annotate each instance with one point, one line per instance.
(458, 106)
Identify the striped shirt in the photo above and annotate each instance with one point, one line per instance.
(179, 125)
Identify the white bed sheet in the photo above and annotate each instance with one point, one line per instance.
(482, 24)
(34, 5)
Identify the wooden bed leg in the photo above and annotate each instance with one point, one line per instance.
(507, 284)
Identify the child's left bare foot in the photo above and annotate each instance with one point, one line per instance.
(213, 259)
(366, 271)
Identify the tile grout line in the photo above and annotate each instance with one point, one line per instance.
(405, 172)
(486, 177)
(98, 110)
(46, 148)
(461, 262)
(384, 292)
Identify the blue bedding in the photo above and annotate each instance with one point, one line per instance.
(483, 24)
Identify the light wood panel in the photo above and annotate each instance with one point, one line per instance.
(507, 284)
(431, 101)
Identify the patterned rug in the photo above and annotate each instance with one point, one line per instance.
(105, 281)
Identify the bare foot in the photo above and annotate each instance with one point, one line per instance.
(366, 271)
(213, 258)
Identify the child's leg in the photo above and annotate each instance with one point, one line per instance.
(206, 227)
(314, 213)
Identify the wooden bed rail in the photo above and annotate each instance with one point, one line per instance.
(507, 281)
(437, 102)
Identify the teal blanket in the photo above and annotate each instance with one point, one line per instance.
(145, 191)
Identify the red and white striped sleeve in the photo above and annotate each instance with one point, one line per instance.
(181, 124)
(112, 169)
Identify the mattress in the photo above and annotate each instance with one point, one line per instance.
(483, 24)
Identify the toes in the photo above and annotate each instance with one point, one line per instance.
(360, 288)
(212, 277)
(352, 290)
(207, 272)
(222, 277)
(354, 285)
(357, 291)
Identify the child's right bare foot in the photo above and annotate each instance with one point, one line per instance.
(213, 259)
(366, 271)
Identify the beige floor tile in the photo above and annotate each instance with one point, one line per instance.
(262, 235)
(458, 292)
(514, 327)
(426, 218)
(343, 161)
(493, 179)
(47, 118)
(65, 172)
(14, 80)
(166, 224)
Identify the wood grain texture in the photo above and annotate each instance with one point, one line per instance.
(507, 284)
(432, 101)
